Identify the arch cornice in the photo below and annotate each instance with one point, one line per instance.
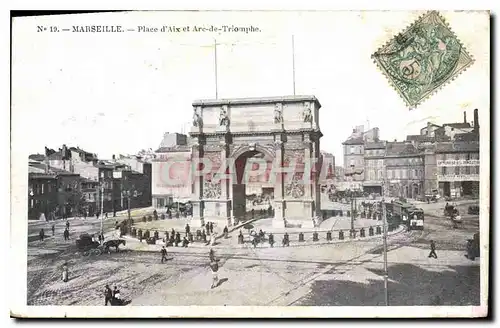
(241, 149)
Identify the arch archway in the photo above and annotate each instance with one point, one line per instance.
(252, 190)
(283, 130)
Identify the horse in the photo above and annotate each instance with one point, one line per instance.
(113, 243)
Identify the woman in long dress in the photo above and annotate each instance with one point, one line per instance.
(65, 272)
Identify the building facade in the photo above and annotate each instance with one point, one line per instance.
(171, 175)
(374, 171)
(404, 166)
(42, 196)
(457, 169)
(442, 159)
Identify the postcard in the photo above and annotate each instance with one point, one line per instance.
(250, 164)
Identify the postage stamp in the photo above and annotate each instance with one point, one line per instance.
(423, 58)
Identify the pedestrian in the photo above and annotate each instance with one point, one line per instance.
(67, 224)
(108, 295)
(163, 254)
(187, 229)
(42, 234)
(97, 216)
(65, 272)
(271, 239)
(172, 232)
(207, 228)
(214, 266)
(211, 227)
(177, 239)
(226, 231)
(433, 250)
(286, 240)
(117, 299)
(66, 234)
(211, 255)
(185, 242)
(106, 215)
(53, 229)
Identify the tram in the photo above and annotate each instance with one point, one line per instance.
(409, 215)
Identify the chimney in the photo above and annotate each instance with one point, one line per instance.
(113, 157)
(476, 121)
(465, 117)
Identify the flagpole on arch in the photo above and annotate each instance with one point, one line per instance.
(293, 63)
(215, 69)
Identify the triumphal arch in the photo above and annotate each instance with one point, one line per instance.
(279, 131)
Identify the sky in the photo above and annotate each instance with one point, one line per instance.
(118, 93)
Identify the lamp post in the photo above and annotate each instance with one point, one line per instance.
(127, 193)
(351, 174)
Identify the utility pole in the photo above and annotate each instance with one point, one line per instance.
(215, 69)
(386, 273)
(293, 63)
(128, 202)
(102, 205)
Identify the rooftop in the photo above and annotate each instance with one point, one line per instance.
(177, 148)
(458, 125)
(37, 157)
(400, 149)
(375, 145)
(354, 141)
(255, 100)
(457, 146)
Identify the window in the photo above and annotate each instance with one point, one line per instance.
(352, 163)
(42, 187)
(32, 203)
(352, 149)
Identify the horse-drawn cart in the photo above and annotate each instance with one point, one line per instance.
(87, 246)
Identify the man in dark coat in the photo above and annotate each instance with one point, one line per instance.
(207, 227)
(177, 239)
(187, 229)
(53, 229)
(67, 224)
(42, 234)
(286, 240)
(433, 250)
(66, 234)
(108, 295)
(185, 242)
(163, 254)
(211, 227)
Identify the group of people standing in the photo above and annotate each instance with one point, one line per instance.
(112, 297)
(41, 234)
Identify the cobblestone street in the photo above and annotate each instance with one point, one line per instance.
(349, 273)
